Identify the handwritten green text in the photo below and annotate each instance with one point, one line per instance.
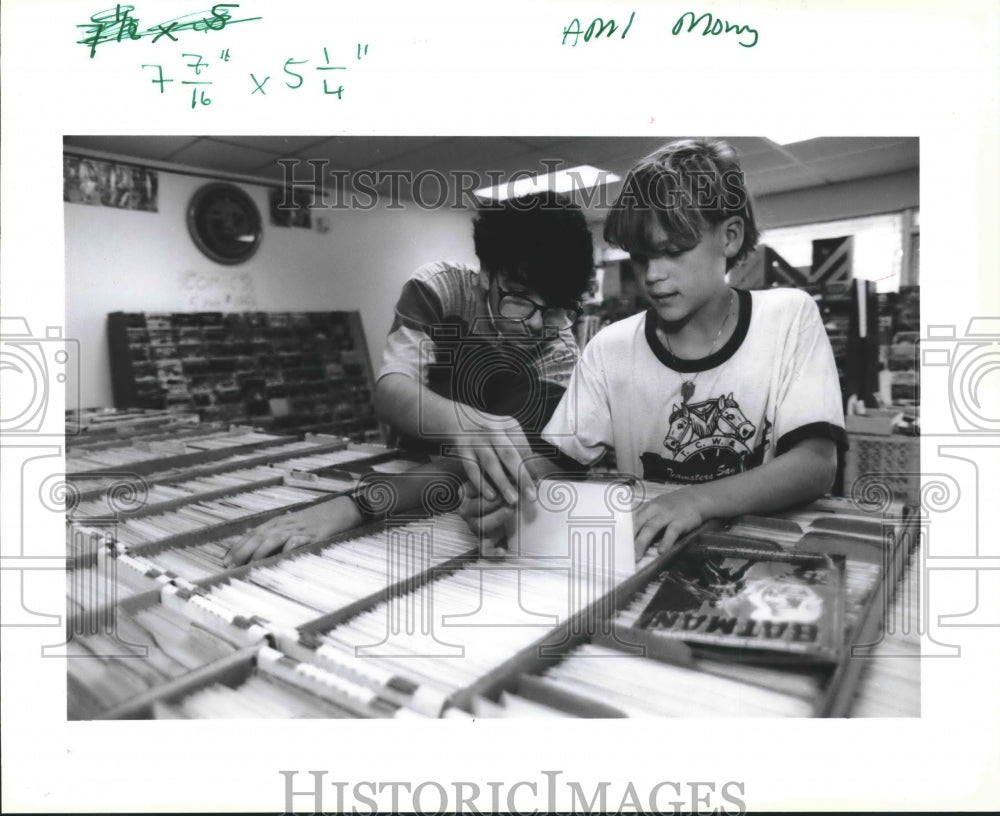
(715, 26)
(599, 27)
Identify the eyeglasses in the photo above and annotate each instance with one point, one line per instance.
(517, 306)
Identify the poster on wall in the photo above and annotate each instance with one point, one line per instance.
(109, 184)
(290, 208)
(832, 260)
(218, 292)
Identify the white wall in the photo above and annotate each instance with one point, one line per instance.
(121, 260)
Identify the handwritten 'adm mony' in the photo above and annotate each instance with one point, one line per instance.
(599, 27)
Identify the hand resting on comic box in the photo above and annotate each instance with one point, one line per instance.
(297, 529)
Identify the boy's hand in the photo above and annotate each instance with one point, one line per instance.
(486, 518)
(673, 514)
(287, 532)
(495, 445)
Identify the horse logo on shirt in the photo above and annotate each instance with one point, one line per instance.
(705, 441)
(705, 419)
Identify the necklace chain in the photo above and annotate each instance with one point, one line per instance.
(687, 386)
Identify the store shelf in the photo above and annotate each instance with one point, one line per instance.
(283, 371)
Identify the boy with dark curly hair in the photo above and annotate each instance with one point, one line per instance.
(475, 363)
(477, 358)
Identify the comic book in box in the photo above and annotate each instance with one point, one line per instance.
(752, 604)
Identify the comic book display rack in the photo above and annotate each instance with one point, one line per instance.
(290, 372)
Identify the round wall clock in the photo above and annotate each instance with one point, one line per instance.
(224, 223)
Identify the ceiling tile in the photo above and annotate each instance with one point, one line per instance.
(227, 156)
(889, 159)
(825, 148)
(623, 152)
(749, 145)
(543, 141)
(285, 145)
(142, 147)
(766, 161)
(362, 152)
(782, 179)
(273, 171)
(461, 153)
(232, 158)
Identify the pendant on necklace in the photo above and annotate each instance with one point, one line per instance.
(687, 390)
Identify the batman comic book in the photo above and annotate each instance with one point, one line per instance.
(752, 604)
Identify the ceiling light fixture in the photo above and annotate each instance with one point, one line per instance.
(569, 180)
(791, 135)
